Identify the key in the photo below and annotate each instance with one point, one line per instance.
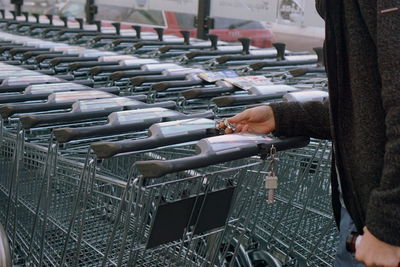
(271, 184)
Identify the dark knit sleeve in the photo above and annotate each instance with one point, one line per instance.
(320, 6)
(383, 211)
(309, 119)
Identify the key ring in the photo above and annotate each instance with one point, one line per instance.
(229, 125)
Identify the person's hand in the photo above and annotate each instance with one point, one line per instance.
(254, 120)
(375, 253)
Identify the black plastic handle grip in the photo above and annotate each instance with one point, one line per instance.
(162, 86)
(18, 50)
(109, 69)
(137, 81)
(7, 111)
(225, 101)
(58, 60)
(163, 104)
(158, 168)
(42, 57)
(264, 64)
(13, 98)
(206, 92)
(109, 149)
(167, 48)
(63, 135)
(141, 44)
(90, 64)
(198, 53)
(227, 58)
(30, 121)
(118, 75)
(207, 115)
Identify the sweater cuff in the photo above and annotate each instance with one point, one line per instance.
(383, 218)
(285, 118)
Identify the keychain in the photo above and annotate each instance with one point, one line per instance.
(271, 181)
(227, 124)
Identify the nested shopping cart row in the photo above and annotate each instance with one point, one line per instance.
(94, 207)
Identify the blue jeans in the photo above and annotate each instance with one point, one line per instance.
(343, 257)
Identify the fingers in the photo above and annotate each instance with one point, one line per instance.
(243, 116)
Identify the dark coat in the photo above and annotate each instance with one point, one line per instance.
(362, 49)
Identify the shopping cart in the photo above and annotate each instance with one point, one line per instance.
(299, 228)
(126, 230)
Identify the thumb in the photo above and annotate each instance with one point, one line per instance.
(240, 117)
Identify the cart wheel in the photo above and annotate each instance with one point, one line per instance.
(240, 260)
(5, 256)
(261, 258)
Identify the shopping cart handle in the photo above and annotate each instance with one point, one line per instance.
(227, 58)
(206, 92)
(109, 69)
(302, 71)
(7, 111)
(162, 86)
(276, 63)
(167, 48)
(118, 75)
(197, 53)
(163, 104)
(31, 121)
(109, 149)
(232, 100)
(141, 44)
(208, 115)
(42, 57)
(207, 157)
(90, 64)
(17, 88)
(28, 55)
(137, 81)
(12, 98)
(18, 50)
(58, 60)
(63, 135)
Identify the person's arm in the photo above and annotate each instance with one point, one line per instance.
(302, 119)
(383, 211)
(309, 119)
(380, 245)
